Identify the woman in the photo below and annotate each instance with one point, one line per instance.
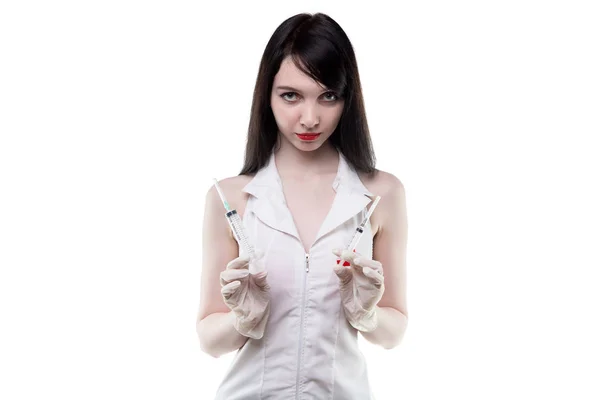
(309, 176)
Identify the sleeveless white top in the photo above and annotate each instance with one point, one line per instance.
(309, 350)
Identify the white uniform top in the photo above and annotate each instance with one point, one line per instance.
(309, 350)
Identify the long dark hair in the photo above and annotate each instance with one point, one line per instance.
(320, 48)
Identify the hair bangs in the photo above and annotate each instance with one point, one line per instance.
(318, 58)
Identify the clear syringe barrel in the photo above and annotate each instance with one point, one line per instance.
(357, 235)
(235, 222)
(360, 229)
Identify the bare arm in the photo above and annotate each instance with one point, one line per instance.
(389, 248)
(217, 334)
(214, 323)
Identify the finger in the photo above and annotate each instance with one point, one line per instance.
(261, 280)
(257, 265)
(338, 252)
(373, 276)
(238, 263)
(228, 290)
(349, 255)
(345, 255)
(230, 275)
(366, 262)
(344, 274)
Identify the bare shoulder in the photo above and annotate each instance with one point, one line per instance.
(232, 190)
(381, 182)
(391, 190)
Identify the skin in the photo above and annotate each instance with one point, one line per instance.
(307, 170)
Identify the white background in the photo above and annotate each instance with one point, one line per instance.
(116, 115)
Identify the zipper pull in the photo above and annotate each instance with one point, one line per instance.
(306, 262)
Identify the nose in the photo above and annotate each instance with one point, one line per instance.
(310, 116)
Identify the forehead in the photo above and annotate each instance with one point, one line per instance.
(290, 75)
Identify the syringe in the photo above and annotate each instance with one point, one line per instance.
(236, 225)
(359, 230)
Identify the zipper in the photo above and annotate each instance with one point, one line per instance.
(306, 256)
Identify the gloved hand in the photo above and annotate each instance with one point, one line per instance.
(247, 294)
(361, 288)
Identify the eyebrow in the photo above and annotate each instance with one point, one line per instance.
(297, 90)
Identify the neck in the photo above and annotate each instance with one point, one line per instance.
(298, 164)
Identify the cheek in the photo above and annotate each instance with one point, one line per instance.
(284, 116)
(334, 115)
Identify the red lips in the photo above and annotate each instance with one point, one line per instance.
(308, 136)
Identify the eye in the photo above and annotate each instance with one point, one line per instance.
(335, 97)
(283, 96)
(331, 97)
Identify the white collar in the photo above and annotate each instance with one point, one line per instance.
(351, 198)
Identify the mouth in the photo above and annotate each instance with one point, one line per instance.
(308, 136)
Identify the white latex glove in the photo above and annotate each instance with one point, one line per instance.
(361, 288)
(247, 294)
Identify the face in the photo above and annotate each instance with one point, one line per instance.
(302, 105)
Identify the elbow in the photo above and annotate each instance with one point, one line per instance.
(392, 342)
(206, 349)
(395, 340)
(388, 347)
(391, 345)
(213, 355)
(205, 345)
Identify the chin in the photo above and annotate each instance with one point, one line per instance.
(310, 148)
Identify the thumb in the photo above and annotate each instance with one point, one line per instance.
(260, 279)
(345, 274)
